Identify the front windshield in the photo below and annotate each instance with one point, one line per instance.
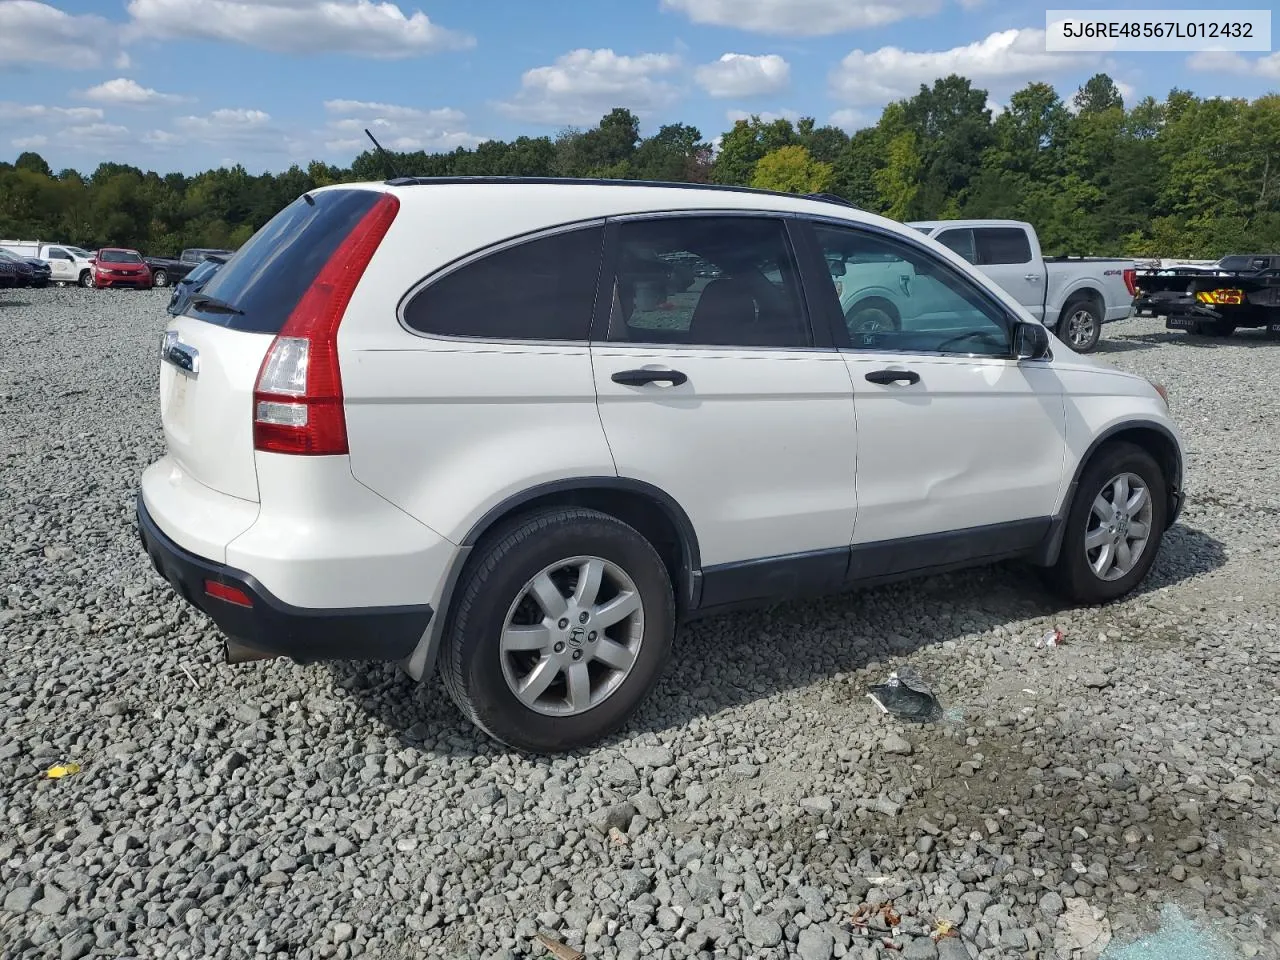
(119, 256)
(77, 252)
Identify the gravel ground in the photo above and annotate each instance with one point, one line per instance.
(758, 801)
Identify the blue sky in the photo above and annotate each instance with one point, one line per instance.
(189, 84)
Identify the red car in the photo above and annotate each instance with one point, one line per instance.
(118, 267)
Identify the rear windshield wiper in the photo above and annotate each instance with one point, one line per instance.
(213, 304)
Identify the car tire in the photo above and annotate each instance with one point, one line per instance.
(1082, 573)
(86, 278)
(501, 637)
(1218, 329)
(868, 317)
(160, 278)
(1080, 325)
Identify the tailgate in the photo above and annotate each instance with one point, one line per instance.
(207, 376)
(213, 352)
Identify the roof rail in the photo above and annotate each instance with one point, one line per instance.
(831, 198)
(606, 182)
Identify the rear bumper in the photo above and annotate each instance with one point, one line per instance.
(269, 625)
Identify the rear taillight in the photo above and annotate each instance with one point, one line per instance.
(1131, 282)
(297, 403)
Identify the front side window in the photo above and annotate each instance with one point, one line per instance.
(58, 255)
(707, 281)
(998, 245)
(539, 289)
(896, 297)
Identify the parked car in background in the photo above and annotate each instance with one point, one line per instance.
(8, 273)
(166, 271)
(1073, 296)
(67, 264)
(43, 272)
(1239, 291)
(24, 274)
(193, 281)
(516, 430)
(194, 255)
(120, 267)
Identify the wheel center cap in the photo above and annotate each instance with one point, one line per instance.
(577, 636)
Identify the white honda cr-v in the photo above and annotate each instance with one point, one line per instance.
(521, 429)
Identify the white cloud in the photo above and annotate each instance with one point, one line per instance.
(396, 127)
(850, 120)
(741, 75)
(39, 112)
(1127, 91)
(801, 18)
(224, 125)
(125, 92)
(1002, 61)
(583, 85)
(364, 28)
(93, 135)
(766, 116)
(995, 108)
(30, 143)
(161, 138)
(34, 32)
(1221, 61)
(390, 111)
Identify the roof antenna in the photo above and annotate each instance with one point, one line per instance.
(386, 157)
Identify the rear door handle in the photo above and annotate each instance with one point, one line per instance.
(893, 376)
(639, 378)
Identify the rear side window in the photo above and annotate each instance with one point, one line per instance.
(541, 289)
(961, 241)
(1002, 245)
(271, 272)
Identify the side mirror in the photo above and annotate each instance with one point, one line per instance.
(836, 267)
(1030, 341)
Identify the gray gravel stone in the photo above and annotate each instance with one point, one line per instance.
(761, 931)
(815, 944)
(285, 801)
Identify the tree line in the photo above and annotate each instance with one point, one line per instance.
(1180, 177)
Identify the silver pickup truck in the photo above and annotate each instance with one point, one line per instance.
(1073, 296)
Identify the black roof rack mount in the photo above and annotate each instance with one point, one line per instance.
(603, 182)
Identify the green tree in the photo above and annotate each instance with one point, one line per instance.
(33, 163)
(791, 170)
(897, 183)
(743, 146)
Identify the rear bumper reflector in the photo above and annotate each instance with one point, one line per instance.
(261, 625)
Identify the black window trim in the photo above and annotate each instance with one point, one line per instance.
(797, 240)
(491, 249)
(831, 304)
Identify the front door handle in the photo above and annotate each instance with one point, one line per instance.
(639, 378)
(893, 376)
(1031, 277)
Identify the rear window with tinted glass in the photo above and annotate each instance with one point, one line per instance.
(998, 245)
(540, 289)
(270, 273)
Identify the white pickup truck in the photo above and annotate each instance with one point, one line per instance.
(67, 264)
(1073, 296)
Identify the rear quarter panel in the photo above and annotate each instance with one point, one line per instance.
(446, 429)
